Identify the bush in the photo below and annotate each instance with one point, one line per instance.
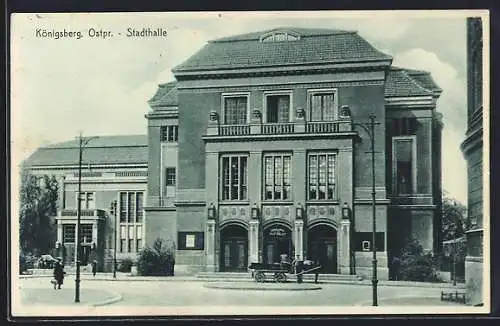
(26, 261)
(125, 265)
(417, 265)
(158, 260)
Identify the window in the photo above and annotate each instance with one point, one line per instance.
(404, 126)
(235, 110)
(277, 108)
(170, 176)
(322, 105)
(321, 176)
(68, 233)
(280, 37)
(277, 177)
(234, 177)
(169, 133)
(86, 233)
(191, 240)
(131, 218)
(403, 164)
(87, 199)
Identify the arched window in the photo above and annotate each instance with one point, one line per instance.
(280, 36)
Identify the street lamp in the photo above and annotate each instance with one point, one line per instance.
(369, 127)
(82, 142)
(113, 212)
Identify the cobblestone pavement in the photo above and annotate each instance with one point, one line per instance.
(38, 291)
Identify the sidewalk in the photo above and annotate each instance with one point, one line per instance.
(193, 278)
(66, 296)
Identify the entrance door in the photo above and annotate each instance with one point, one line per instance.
(323, 247)
(234, 249)
(277, 241)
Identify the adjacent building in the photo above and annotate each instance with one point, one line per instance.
(472, 148)
(257, 150)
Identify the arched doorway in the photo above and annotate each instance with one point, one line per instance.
(234, 249)
(322, 247)
(277, 241)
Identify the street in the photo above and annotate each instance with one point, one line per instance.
(178, 293)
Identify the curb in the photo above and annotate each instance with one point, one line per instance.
(116, 297)
(368, 302)
(257, 288)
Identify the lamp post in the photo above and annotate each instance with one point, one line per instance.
(370, 130)
(82, 142)
(114, 213)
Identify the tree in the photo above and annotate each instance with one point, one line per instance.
(416, 264)
(454, 221)
(38, 205)
(158, 259)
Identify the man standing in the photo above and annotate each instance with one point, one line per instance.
(58, 273)
(94, 267)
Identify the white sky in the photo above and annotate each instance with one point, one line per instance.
(60, 87)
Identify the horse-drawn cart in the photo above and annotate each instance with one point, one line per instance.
(279, 272)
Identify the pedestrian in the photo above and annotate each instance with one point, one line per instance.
(58, 273)
(94, 267)
(316, 271)
(299, 267)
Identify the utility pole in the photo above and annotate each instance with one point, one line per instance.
(113, 212)
(82, 142)
(370, 130)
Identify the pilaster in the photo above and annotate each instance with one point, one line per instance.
(253, 237)
(299, 239)
(210, 246)
(344, 250)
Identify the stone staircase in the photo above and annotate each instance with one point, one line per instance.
(245, 276)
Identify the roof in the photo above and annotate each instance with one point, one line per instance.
(314, 46)
(117, 149)
(424, 78)
(166, 95)
(402, 82)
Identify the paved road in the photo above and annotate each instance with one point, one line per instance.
(188, 293)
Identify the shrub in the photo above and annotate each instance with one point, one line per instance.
(157, 260)
(125, 265)
(26, 261)
(417, 265)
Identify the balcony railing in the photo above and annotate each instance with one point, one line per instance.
(285, 128)
(234, 130)
(84, 212)
(160, 201)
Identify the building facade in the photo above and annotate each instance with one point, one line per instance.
(257, 149)
(114, 168)
(269, 157)
(472, 148)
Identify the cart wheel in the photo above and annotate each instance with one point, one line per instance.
(281, 277)
(259, 277)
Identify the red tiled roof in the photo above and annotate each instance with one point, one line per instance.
(124, 149)
(315, 46)
(400, 84)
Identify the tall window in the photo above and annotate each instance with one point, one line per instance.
(131, 219)
(235, 110)
(169, 133)
(322, 106)
(278, 108)
(404, 126)
(170, 182)
(277, 177)
(404, 149)
(86, 233)
(87, 199)
(69, 233)
(321, 176)
(234, 177)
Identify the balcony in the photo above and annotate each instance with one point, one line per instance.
(298, 127)
(90, 214)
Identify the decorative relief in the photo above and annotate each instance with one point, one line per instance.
(280, 211)
(321, 211)
(234, 212)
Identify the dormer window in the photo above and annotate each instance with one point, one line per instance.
(279, 37)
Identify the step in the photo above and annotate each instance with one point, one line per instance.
(247, 275)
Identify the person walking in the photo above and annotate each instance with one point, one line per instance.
(58, 273)
(396, 264)
(94, 267)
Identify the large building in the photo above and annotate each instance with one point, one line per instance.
(472, 148)
(256, 150)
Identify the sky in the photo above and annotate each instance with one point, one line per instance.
(100, 86)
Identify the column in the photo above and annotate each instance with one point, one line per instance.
(344, 250)
(253, 239)
(299, 239)
(94, 232)
(61, 193)
(60, 232)
(210, 246)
